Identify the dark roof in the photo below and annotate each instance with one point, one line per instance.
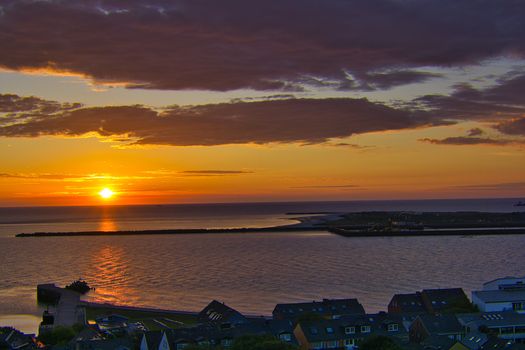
(214, 334)
(408, 303)
(441, 324)
(153, 339)
(324, 307)
(437, 300)
(334, 329)
(219, 313)
(496, 296)
(492, 319)
(16, 339)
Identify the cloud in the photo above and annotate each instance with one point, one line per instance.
(234, 44)
(494, 186)
(512, 126)
(214, 172)
(475, 132)
(501, 101)
(328, 186)
(463, 140)
(306, 121)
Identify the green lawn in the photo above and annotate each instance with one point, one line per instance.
(152, 320)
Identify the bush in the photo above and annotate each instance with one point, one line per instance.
(260, 342)
(379, 343)
(58, 336)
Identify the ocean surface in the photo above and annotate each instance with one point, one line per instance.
(251, 272)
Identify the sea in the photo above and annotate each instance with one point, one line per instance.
(251, 272)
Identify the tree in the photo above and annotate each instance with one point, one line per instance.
(379, 343)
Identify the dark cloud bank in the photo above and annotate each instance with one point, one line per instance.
(283, 121)
(232, 44)
(291, 120)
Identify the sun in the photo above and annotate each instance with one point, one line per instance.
(106, 193)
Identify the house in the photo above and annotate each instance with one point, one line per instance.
(151, 340)
(220, 314)
(500, 300)
(347, 332)
(504, 325)
(327, 308)
(432, 301)
(428, 325)
(407, 304)
(11, 339)
(449, 300)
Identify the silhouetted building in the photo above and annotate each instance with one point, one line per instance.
(220, 314)
(328, 308)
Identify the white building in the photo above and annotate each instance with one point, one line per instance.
(502, 294)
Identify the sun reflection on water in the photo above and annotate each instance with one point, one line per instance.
(112, 276)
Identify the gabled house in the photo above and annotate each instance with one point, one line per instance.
(347, 332)
(428, 325)
(408, 304)
(327, 308)
(151, 340)
(220, 314)
(449, 300)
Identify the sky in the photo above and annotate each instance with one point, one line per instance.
(192, 101)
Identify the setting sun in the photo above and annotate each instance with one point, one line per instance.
(106, 193)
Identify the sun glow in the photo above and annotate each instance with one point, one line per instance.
(106, 193)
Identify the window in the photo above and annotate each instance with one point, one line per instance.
(349, 330)
(518, 306)
(365, 329)
(329, 330)
(226, 342)
(331, 344)
(287, 337)
(349, 342)
(393, 327)
(313, 330)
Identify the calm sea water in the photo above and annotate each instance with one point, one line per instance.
(251, 272)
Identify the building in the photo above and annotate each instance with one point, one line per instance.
(348, 331)
(505, 283)
(499, 300)
(11, 339)
(409, 304)
(213, 336)
(427, 325)
(327, 308)
(504, 325)
(220, 314)
(442, 301)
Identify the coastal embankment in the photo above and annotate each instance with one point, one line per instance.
(360, 224)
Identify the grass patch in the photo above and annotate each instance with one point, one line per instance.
(172, 320)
